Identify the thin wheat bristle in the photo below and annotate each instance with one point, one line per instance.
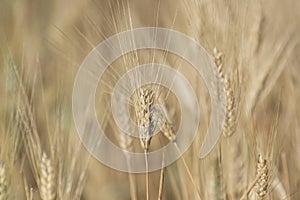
(47, 179)
(263, 181)
(3, 182)
(143, 108)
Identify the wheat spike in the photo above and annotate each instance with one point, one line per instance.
(3, 183)
(231, 100)
(218, 58)
(230, 120)
(263, 181)
(168, 131)
(143, 107)
(47, 187)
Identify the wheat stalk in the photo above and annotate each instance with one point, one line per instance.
(219, 186)
(47, 179)
(169, 133)
(161, 179)
(126, 143)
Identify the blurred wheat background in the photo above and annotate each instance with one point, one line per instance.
(254, 44)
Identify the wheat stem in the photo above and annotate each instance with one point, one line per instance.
(285, 172)
(189, 173)
(147, 175)
(169, 134)
(161, 179)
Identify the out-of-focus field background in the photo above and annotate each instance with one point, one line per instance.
(43, 43)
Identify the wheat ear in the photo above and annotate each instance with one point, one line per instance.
(231, 100)
(3, 183)
(143, 107)
(218, 58)
(47, 179)
(263, 181)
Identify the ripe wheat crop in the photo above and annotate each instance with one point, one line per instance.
(253, 48)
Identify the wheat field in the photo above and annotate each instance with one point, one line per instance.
(254, 47)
